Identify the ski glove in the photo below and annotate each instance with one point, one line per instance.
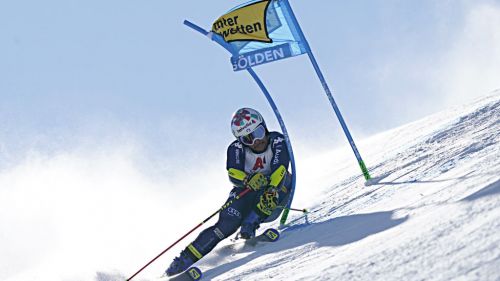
(255, 181)
(268, 201)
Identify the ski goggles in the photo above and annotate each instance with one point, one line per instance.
(258, 134)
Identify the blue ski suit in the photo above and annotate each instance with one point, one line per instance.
(241, 161)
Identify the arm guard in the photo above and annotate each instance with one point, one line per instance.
(277, 176)
(237, 177)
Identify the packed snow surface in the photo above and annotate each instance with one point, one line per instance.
(431, 212)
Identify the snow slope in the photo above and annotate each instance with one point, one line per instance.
(432, 212)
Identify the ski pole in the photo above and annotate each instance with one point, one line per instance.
(200, 224)
(294, 209)
(299, 210)
(305, 213)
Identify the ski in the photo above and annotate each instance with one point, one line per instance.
(191, 274)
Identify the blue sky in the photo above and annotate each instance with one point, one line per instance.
(115, 70)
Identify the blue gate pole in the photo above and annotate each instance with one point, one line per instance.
(264, 90)
(329, 94)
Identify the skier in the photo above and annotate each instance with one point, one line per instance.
(258, 160)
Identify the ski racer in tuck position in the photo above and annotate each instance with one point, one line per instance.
(258, 160)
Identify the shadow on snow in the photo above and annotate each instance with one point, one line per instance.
(331, 233)
(489, 190)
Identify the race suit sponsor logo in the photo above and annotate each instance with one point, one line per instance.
(237, 156)
(277, 157)
(259, 163)
(278, 140)
(219, 233)
(233, 212)
(232, 195)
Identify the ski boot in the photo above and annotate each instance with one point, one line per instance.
(181, 263)
(249, 225)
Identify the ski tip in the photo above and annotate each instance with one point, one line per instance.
(272, 234)
(190, 274)
(194, 273)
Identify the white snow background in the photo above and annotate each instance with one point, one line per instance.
(432, 212)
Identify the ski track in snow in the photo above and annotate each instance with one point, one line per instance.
(431, 213)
